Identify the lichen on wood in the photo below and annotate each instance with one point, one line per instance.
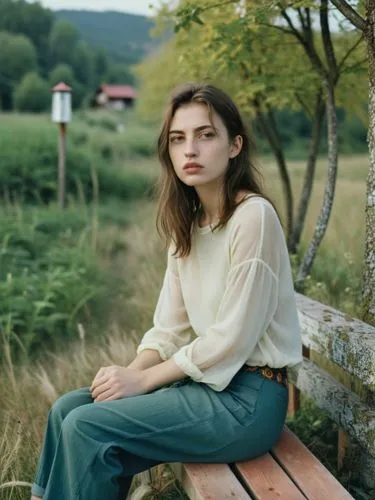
(342, 405)
(346, 341)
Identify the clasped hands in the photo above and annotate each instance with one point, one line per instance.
(116, 382)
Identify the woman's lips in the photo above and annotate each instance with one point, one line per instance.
(192, 168)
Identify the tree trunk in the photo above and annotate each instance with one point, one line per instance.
(268, 129)
(310, 173)
(329, 193)
(368, 291)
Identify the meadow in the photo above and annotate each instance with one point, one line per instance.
(98, 267)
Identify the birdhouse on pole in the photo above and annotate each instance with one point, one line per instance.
(62, 114)
(61, 103)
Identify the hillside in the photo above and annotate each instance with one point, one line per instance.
(125, 37)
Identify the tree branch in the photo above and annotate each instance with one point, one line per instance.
(280, 28)
(327, 40)
(308, 17)
(293, 29)
(219, 4)
(356, 65)
(309, 47)
(301, 19)
(350, 51)
(309, 33)
(303, 105)
(350, 14)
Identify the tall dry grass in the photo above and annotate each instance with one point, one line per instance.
(337, 270)
(27, 391)
(345, 232)
(27, 396)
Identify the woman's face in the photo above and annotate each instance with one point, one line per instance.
(198, 148)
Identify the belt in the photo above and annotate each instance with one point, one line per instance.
(278, 374)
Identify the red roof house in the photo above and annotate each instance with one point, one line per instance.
(115, 96)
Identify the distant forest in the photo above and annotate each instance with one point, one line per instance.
(39, 48)
(125, 37)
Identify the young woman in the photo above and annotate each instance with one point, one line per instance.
(208, 383)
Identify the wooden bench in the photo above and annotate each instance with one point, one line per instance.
(338, 374)
(290, 471)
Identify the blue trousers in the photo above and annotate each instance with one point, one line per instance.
(92, 450)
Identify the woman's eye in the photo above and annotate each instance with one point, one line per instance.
(207, 135)
(175, 139)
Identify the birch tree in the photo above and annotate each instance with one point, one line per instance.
(364, 20)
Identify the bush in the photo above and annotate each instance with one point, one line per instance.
(29, 158)
(32, 94)
(131, 138)
(335, 280)
(18, 56)
(51, 278)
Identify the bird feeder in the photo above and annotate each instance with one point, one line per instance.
(62, 114)
(62, 103)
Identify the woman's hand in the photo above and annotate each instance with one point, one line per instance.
(116, 382)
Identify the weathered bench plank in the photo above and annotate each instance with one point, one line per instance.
(307, 472)
(266, 479)
(347, 341)
(209, 482)
(289, 472)
(343, 406)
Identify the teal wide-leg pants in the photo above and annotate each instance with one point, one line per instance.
(92, 450)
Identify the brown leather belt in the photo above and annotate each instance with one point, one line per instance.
(278, 374)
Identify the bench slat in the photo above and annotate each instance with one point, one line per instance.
(346, 341)
(305, 469)
(356, 417)
(267, 480)
(210, 482)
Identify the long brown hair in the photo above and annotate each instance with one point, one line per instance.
(179, 204)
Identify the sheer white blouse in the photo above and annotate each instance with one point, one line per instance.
(231, 301)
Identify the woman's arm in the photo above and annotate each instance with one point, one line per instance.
(151, 368)
(164, 373)
(146, 359)
(171, 329)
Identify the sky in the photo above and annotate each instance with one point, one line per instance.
(130, 6)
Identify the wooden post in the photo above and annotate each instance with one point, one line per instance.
(343, 444)
(294, 393)
(367, 470)
(294, 400)
(61, 167)
(61, 114)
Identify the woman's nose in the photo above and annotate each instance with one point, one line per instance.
(191, 149)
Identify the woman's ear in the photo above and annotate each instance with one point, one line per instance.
(236, 146)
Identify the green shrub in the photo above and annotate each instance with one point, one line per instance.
(106, 122)
(129, 138)
(32, 94)
(335, 280)
(51, 278)
(314, 427)
(29, 158)
(139, 141)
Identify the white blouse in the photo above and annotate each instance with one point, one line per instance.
(231, 301)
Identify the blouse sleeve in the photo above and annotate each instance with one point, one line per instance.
(171, 329)
(248, 303)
